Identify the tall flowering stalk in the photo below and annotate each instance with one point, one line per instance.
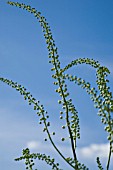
(102, 98)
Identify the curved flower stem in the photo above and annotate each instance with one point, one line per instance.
(21, 90)
(89, 61)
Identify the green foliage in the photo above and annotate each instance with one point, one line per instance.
(102, 98)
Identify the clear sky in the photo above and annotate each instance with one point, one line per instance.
(81, 28)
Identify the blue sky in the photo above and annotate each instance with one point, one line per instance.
(80, 29)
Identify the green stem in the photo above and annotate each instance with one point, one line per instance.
(110, 144)
(54, 144)
(72, 142)
(52, 140)
(109, 157)
(69, 129)
(67, 115)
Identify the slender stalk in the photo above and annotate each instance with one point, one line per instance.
(53, 142)
(109, 157)
(72, 142)
(69, 129)
(67, 115)
(55, 145)
(110, 144)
